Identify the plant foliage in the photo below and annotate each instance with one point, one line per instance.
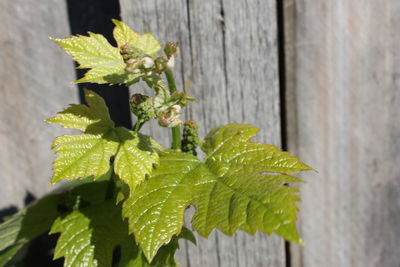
(89, 154)
(129, 194)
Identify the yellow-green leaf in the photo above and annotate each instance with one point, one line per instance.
(246, 189)
(240, 185)
(35, 220)
(94, 52)
(155, 210)
(89, 154)
(123, 34)
(89, 236)
(147, 43)
(136, 157)
(84, 155)
(93, 118)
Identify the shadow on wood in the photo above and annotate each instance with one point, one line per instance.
(95, 16)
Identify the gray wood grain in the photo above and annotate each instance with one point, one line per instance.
(228, 61)
(343, 118)
(35, 81)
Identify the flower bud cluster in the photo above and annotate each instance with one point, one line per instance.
(171, 117)
(169, 107)
(142, 107)
(164, 107)
(171, 50)
(190, 139)
(138, 62)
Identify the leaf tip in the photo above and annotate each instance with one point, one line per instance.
(49, 120)
(56, 40)
(87, 91)
(308, 168)
(54, 180)
(116, 21)
(78, 81)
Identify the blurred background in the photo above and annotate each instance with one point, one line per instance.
(321, 78)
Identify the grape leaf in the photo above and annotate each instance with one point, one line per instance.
(246, 189)
(94, 52)
(156, 208)
(92, 118)
(90, 235)
(85, 117)
(37, 219)
(103, 60)
(29, 223)
(239, 185)
(148, 44)
(89, 154)
(135, 158)
(165, 255)
(86, 154)
(7, 254)
(83, 155)
(123, 34)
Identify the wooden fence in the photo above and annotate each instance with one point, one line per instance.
(319, 77)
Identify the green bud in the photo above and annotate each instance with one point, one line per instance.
(180, 98)
(142, 107)
(132, 65)
(128, 51)
(160, 64)
(170, 49)
(190, 139)
(169, 120)
(124, 50)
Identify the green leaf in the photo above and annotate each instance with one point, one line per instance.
(89, 154)
(165, 255)
(136, 157)
(7, 254)
(29, 223)
(156, 209)
(246, 189)
(37, 219)
(123, 34)
(239, 185)
(231, 144)
(148, 44)
(93, 117)
(84, 155)
(94, 52)
(90, 235)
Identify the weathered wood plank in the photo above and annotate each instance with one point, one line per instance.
(229, 62)
(34, 83)
(344, 82)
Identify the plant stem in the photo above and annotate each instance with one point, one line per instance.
(137, 126)
(176, 131)
(111, 184)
